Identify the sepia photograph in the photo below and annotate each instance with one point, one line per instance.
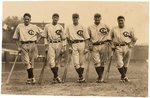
(75, 48)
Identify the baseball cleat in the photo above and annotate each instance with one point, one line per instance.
(33, 81)
(81, 80)
(58, 80)
(29, 81)
(126, 79)
(122, 80)
(100, 81)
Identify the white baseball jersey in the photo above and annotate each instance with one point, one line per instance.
(121, 35)
(26, 33)
(76, 32)
(53, 32)
(98, 32)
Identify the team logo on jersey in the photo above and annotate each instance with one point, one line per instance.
(103, 31)
(31, 32)
(58, 32)
(126, 34)
(80, 32)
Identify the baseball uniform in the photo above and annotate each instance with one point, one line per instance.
(122, 36)
(98, 37)
(54, 35)
(122, 39)
(51, 33)
(27, 36)
(77, 35)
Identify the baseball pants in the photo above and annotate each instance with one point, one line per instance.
(78, 54)
(28, 54)
(54, 51)
(123, 56)
(99, 55)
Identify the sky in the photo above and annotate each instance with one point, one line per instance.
(136, 13)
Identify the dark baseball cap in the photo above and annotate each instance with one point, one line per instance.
(27, 14)
(97, 15)
(75, 15)
(56, 14)
(120, 17)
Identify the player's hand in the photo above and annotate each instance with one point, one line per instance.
(86, 51)
(113, 48)
(130, 45)
(70, 50)
(19, 50)
(91, 48)
(46, 47)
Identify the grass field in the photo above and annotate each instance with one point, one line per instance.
(138, 87)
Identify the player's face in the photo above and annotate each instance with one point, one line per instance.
(27, 20)
(55, 19)
(97, 20)
(121, 23)
(75, 20)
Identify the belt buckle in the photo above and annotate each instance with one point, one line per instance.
(119, 45)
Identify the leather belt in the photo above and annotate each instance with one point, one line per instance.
(27, 42)
(99, 43)
(54, 41)
(120, 44)
(77, 41)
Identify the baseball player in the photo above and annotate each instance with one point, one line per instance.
(77, 36)
(98, 33)
(26, 38)
(55, 43)
(123, 40)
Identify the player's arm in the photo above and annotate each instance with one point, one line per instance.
(16, 37)
(108, 35)
(44, 35)
(38, 33)
(133, 39)
(90, 44)
(110, 38)
(86, 38)
(68, 41)
(63, 37)
(63, 40)
(108, 29)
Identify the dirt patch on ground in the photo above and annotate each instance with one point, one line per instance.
(138, 87)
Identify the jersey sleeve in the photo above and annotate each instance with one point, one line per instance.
(63, 33)
(67, 32)
(63, 37)
(133, 37)
(89, 32)
(39, 30)
(108, 29)
(85, 34)
(45, 41)
(45, 32)
(110, 34)
(16, 33)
